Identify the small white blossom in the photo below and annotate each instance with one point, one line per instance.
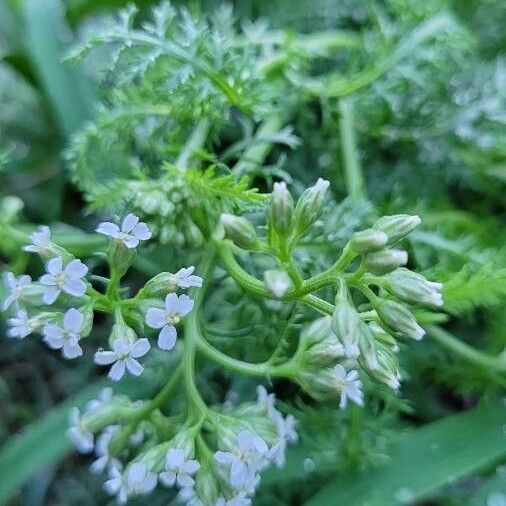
(184, 278)
(349, 385)
(238, 500)
(41, 241)
(189, 496)
(67, 337)
(104, 460)
(67, 279)
(266, 401)
(82, 439)
(20, 325)
(131, 232)
(123, 355)
(178, 469)
(136, 480)
(245, 459)
(166, 319)
(15, 286)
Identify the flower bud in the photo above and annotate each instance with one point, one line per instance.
(317, 331)
(309, 206)
(240, 231)
(122, 331)
(346, 327)
(325, 352)
(387, 371)
(382, 337)
(281, 210)
(87, 312)
(399, 318)
(206, 487)
(385, 260)
(368, 240)
(120, 257)
(397, 226)
(278, 282)
(412, 287)
(367, 346)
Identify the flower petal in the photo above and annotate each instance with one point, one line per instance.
(171, 303)
(129, 223)
(108, 228)
(54, 266)
(73, 320)
(72, 350)
(50, 295)
(167, 338)
(156, 318)
(47, 280)
(76, 269)
(117, 370)
(141, 232)
(105, 357)
(134, 367)
(75, 287)
(131, 242)
(140, 348)
(185, 305)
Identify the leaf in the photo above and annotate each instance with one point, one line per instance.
(43, 443)
(70, 95)
(424, 460)
(470, 288)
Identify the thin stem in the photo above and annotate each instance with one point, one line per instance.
(261, 369)
(194, 143)
(352, 169)
(496, 364)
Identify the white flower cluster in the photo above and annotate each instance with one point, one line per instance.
(234, 469)
(65, 277)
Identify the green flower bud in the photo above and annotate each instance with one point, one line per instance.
(121, 330)
(382, 337)
(281, 210)
(240, 231)
(206, 486)
(412, 287)
(309, 206)
(87, 312)
(368, 240)
(368, 350)
(154, 457)
(32, 294)
(317, 331)
(384, 261)
(325, 352)
(397, 226)
(120, 257)
(278, 282)
(399, 318)
(346, 326)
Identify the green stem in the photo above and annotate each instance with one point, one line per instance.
(352, 169)
(495, 364)
(194, 143)
(192, 333)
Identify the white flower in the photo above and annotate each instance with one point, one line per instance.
(104, 460)
(20, 325)
(136, 479)
(184, 278)
(189, 496)
(178, 469)
(104, 398)
(130, 233)
(245, 459)
(266, 401)
(123, 355)
(238, 500)
(66, 337)
(15, 287)
(82, 439)
(349, 384)
(67, 279)
(41, 240)
(165, 319)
